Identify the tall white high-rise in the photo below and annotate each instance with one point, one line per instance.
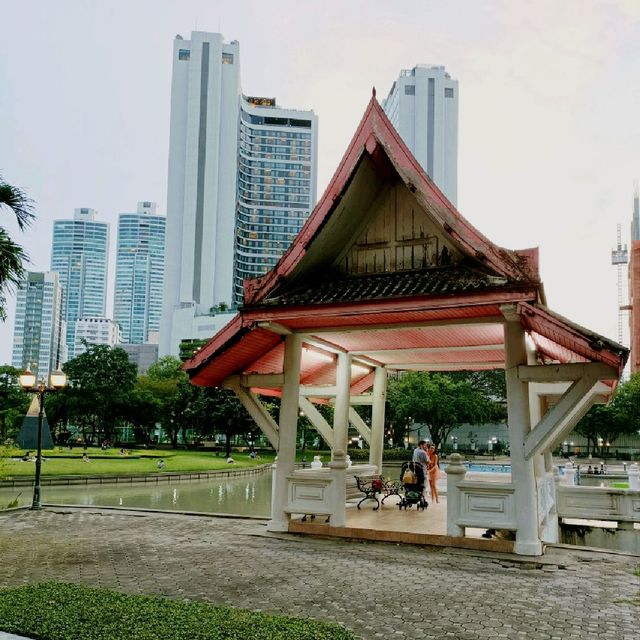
(201, 193)
(137, 301)
(79, 254)
(423, 107)
(277, 177)
(39, 332)
(242, 181)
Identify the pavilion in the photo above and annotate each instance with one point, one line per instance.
(387, 276)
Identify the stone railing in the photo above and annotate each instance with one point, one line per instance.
(598, 503)
(485, 505)
(311, 491)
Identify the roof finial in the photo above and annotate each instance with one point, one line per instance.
(373, 92)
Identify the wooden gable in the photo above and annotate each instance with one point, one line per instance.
(399, 235)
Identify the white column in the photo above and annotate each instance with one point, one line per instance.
(456, 472)
(340, 435)
(519, 420)
(376, 445)
(288, 433)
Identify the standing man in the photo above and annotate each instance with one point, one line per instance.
(420, 457)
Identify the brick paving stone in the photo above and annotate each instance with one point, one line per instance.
(377, 590)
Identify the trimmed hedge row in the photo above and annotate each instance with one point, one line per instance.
(398, 453)
(60, 611)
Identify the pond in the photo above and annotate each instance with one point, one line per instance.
(246, 495)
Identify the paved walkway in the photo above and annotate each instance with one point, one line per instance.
(378, 590)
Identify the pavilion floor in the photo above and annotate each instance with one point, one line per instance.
(390, 524)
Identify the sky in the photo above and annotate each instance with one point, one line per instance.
(549, 107)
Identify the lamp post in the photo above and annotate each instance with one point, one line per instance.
(57, 380)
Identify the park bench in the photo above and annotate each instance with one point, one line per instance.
(373, 485)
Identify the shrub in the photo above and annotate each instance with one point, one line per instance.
(59, 611)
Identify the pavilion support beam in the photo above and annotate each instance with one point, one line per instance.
(338, 462)
(376, 445)
(288, 433)
(360, 425)
(566, 372)
(576, 401)
(527, 534)
(317, 420)
(257, 411)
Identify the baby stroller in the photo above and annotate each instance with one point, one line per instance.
(412, 490)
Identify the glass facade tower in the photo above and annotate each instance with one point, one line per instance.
(277, 159)
(39, 333)
(79, 255)
(137, 302)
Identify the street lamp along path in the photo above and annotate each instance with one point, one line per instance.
(57, 380)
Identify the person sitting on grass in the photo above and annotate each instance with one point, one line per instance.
(230, 460)
(161, 464)
(85, 457)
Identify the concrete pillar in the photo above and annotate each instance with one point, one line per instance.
(519, 420)
(456, 472)
(288, 425)
(376, 445)
(338, 462)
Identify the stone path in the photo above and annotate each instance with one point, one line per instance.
(377, 590)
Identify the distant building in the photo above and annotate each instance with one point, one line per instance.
(423, 107)
(277, 176)
(137, 303)
(142, 355)
(94, 331)
(79, 254)
(242, 181)
(634, 305)
(201, 192)
(39, 333)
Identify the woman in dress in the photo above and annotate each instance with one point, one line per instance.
(433, 471)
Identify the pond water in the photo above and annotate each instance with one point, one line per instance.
(248, 495)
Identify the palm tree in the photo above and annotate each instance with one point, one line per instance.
(12, 255)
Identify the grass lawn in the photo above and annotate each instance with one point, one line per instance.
(59, 611)
(62, 462)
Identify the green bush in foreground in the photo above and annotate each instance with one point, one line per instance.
(59, 611)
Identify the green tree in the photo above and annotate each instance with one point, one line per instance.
(620, 417)
(14, 402)
(440, 401)
(100, 390)
(12, 256)
(168, 384)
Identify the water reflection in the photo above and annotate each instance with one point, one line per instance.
(250, 495)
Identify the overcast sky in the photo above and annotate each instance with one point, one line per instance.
(549, 136)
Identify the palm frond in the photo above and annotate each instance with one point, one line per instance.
(12, 258)
(16, 199)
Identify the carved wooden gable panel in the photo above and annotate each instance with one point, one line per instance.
(400, 237)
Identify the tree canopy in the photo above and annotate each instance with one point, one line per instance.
(100, 387)
(442, 402)
(620, 417)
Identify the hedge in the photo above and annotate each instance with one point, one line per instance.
(61, 611)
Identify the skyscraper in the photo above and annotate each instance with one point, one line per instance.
(423, 107)
(222, 148)
(39, 332)
(201, 193)
(277, 165)
(137, 304)
(79, 255)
